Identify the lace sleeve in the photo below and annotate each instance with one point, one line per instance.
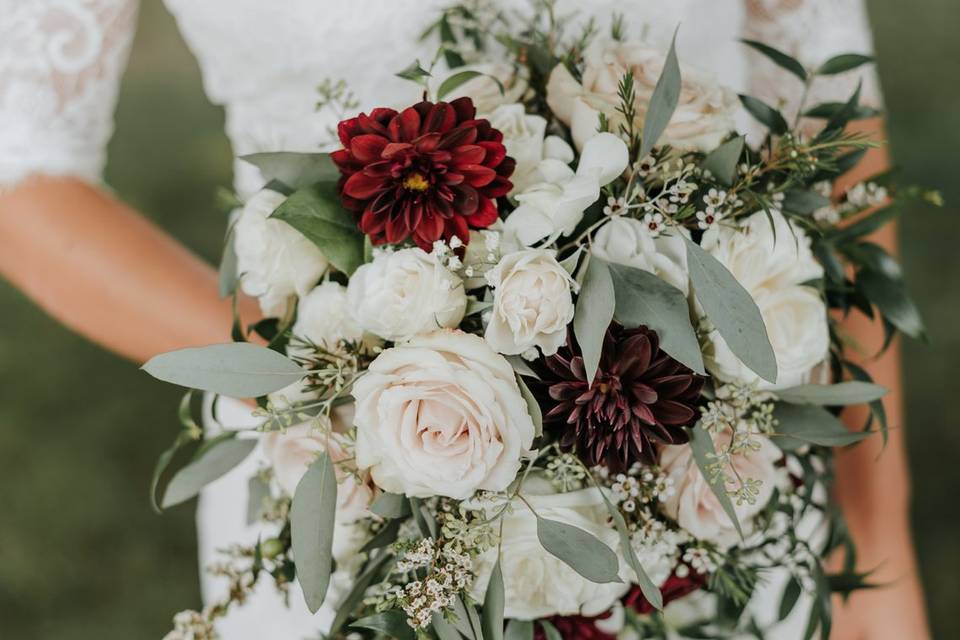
(60, 66)
(811, 31)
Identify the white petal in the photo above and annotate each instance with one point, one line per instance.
(606, 154)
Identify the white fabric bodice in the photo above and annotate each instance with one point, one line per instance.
(61, 63)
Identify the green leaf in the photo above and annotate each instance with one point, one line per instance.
(443, 629)
(876, 258)
(423, 518)
(464, 618)
(791, 593)
(843, 62)
(594, 311)
(704, 454)
(765, 114)
(842, 116)
(650, 591)
(296, 170)
(892, 300)
(722, 161)
(582, 551)
(833, 395)
(257, 492)
(732, 311)
(316, 212)
(644, 299)
(236, 369)
(779, 58)
(533, 407)
(205, 468)
(461, 77)
(493, 603)
(387, 535)
(876, 407)
(521, 367)
(391, 505)
(476, 306)
(827, 110)
(867, 225)
(392, 623)
(663, 102)
(227, 273)
(311, 529)
(415, 73)
(183, 439)
(549, 630)
(803, 202)
(519, 630)
(800, 424)
(354, 598)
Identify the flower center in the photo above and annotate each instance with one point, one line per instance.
(415, 182)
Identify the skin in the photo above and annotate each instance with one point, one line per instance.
(108, 273)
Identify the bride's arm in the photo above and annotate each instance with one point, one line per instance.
(107, 272)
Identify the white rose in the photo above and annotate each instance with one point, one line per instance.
(630, 242)
(274, 260)
(526, 142)
(484, 90)
(532, 303)
(773, 269)
(292, 451)
(703, 117)
(441, 415)
(324, 318)
(693, 504)
(406, 292)
(536, 583)
(555, 206)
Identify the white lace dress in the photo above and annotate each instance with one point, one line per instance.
(61, 62)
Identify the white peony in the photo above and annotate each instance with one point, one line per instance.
(274, 260)
(484, 90)
(441, 415)
(292, 451)
(324, 318)
(630, 242)
(555, 206)
(703, 117)
(406, 292)
(525, 138)
(532, 303)
(536, 583)
(693, 504)
(773, 269)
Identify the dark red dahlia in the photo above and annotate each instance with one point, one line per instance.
(431, 171)
(672, 589)
(575, 628)
(640, 395)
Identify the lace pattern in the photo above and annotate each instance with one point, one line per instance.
(60, 63)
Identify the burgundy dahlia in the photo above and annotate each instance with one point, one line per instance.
(672, 589)
(575, 628)
(431, 171)
(640, 395)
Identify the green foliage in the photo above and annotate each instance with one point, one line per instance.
(581, 550)
(765, 114)
(594, 311)
(493, 603)
(834, 395)
(722, 161)
(311, 529)
(212, 461)
(294, 169)
(663, 102)
(800, 424)
(705, 456)
(779, 58)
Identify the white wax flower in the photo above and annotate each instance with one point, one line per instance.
(630, 242)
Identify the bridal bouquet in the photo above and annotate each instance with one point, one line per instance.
(552, 353)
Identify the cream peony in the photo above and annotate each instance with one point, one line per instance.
(274, 260)
(536, 583)
(526, 141)
(694, 506)
(703, 117)
(773, 269)
(484, 90)
(441, 415)
(324, 318)
(555, 206)
(630, 242)
(532, 303)
(406, 292)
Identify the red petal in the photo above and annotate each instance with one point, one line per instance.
(368, 147)
(469, 154)
(464, 108)
(477, 175)
(406, 126)
(496, 152)
(362, 186)
(485, 216)
(441, 118)
(498, 188)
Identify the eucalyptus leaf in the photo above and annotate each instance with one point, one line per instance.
(891, 299)
(236, 369)
(423, 518)
(644, 299)
(493, 604)
(294, 169)
(722, 161)
(522, 367)
(804, 202)
(519, 630)
(663, 102)
(842, 63)
(355, 596)
(877, 409)
(316, 212)
(581, 550)
(866, 225)
(594, 311)
(570, 263)
(393, 623)
(183, 439)
(454, 81)
(650, 591)
(801, 424)
(732, 311)
(833, 395)
(827, 110)
(549, 630)
(386, 536)
(227, 275)
(533, 407)
(257, 492)
(791, 593)
(779, 58)
(415, 73)
(704, 455)
(443, 629)
(391, 505)
(765, 114)
(311, 529)
(204, 469)
(476, 306)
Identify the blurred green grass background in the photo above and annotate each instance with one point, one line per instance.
(82, 556)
